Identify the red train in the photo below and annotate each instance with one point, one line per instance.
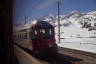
(36, 36)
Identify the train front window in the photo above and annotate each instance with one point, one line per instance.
(35, 32)
(46, 32)
(42, 31)
(50, 31)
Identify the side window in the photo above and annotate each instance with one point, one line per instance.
(50, 31)
(25, 35)
(20, 35)
(35, 32)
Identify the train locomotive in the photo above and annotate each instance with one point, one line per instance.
(36, 36)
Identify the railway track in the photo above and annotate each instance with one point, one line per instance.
(65, 56)
(86, 57)
(89, 54)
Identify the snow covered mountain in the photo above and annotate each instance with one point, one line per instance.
(74, 17)
(71, 24)
(49, 18)
(73, 14)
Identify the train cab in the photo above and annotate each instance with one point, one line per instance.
(43, 36)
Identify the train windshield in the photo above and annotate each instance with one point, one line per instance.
(47, 33)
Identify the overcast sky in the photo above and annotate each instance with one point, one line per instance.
(35, 9)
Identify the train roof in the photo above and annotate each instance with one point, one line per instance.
(24, 26)
(44, 24)
(31, 23)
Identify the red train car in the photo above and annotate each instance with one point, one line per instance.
(36, 36)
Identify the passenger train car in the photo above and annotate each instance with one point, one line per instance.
(36, 36)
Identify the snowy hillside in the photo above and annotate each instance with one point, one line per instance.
(71, 23)
(73, 33)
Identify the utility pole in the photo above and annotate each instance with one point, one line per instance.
(26, 19)
(58, 3)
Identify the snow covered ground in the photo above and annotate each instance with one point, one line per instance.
(84, 44)
(72, 34)
(77, 38)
